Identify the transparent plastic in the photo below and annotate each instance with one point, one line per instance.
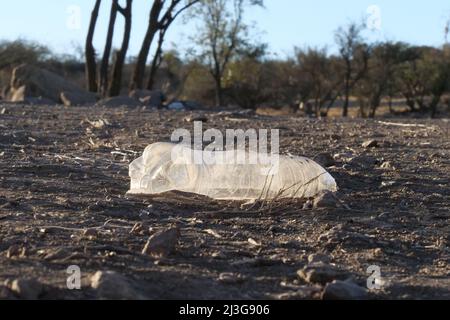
(166, 167)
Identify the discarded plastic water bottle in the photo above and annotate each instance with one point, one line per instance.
(223, 175)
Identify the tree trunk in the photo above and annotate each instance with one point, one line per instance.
(219, 91)
(346, 101)
(137, 81)
(156, 61)
(103, 78)
(119, 59)
(91, 64)
(391, 109)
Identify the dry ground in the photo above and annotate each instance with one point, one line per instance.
(62, 173)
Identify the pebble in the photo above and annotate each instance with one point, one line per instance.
(322, 273)
(231, 278)
(370, 144)
(344, 290)
(111, 285)
(318, 257)
(28, 289)
(162, 243)
(6, 293)
(325, 159)
(325, 199)
(301, 293)
(195, 118)
(387, 165)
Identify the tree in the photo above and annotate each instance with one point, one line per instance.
(246, 78)
(103, 76)
(120, 55)
(354, 54)
(91, 63)
(162, 14)
(319, 81)
(425, 78)
(380, 78)
(106, 84)
(223, 32)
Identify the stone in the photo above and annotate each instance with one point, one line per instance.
(162, 243)
(318, 257)
(325, 199)
(325, 159)
(301, 293)
(231, 278)
(18, 94)
(194, 118)
(370, 144)
(13, 251)
(111, 285)
(363, 162)
(150, 98)
(29, 81)
(120, 101)
(70, 99)
(339, 235)
(39, 101)
(28, 289)
(387, 165)
(6, 293)
(344, 290)
(308, 205)
(322, 273)
(90, 232)
(176, 105)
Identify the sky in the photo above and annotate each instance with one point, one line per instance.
(282, 24)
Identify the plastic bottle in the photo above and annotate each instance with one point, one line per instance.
(166, 166)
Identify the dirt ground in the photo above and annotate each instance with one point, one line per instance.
(63, 184)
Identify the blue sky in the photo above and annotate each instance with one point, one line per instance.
(282, 24)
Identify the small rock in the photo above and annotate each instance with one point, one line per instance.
(28, 289)
(13, 251)
(308, 205)
(343, 236)
(90, 232)
(332, 234)
(99, 124)
(318, 257)
(150, 98)
(325, 199)
(57, 254)
(344, 290)
(3, 111)
(195, 118)
(162, 243)
(387, 165)
(178, 106)
(6, 293)
(302, 293)
(370, 144)
(363, 162)
(325, 159)
(120, 101)
(322, 273)
(231, 278)
(114, 286)
(70, 99)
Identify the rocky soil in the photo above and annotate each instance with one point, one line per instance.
(63, 184)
